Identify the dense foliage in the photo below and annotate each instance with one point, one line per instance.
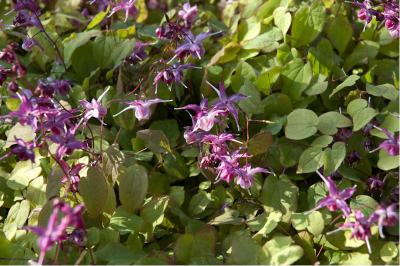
(201, 132)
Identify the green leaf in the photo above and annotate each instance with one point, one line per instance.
(22, 174)
(313, 222)
(282, 19)
(75, 41)
(388, 252)
(175, 166)
(115, 254)
(267, 41)
(199, 202)
(260, 143)
(387, 162)
(364, 52)
(200, 247)
(36, 192)
(250, 105)
(155, 140)
(16, 218)
(364, 203)
(264, 223)
(310, 160)
(301, 124)
(125, 222)
(361, 113)
(280, 251)
(296, 77)
(267, 78)
(348, 82)
(329, 122)
(308, 22)
(228, 217)
(280, 195)
(169, 127)
(318, 85)
(340, 33)
(322, 141)
(153, 211)
(244, 250)
(94, 190)
(98, 19)
(133, 184)
(277, 104)
(387, 91)
(19, 131)
(113, 160)
(334, 157)
(354, 258)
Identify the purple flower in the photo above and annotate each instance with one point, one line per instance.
(94, 108)
(385, 216)
(28, 44)
(228, 103)
(391, 16)
(246, 174)
(28, 113)
(188, 14)
(391, 145)
(375, 183)
(192, 46)
(172, 74)
(360, 228)
(139, 52)
(30, 5)
(67, 143)
(218, 142)
(25, 19)
(23, 150)
(47, 87)
(142, 108)
(128, 6)
(72, 175)
(56, 230)
(353, 157)
(343, 134)
(229, 164)
(336, 199)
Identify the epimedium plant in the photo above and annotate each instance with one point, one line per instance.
(201, 132)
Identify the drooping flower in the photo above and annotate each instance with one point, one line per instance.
(94, 109)
(392, 144)
(56, 230)
(228, 103)
(67, 143)
(49, 86)
(218, 142)
(142, 108)
(138, 53)
(172, 74)
(71, 175)
(245, 175)
(28, 44)
(360, 227)
(391, 16)
(192, 45)
(188, 14)
(23, 150)
(128, 6)
(336, 199)
(375, 183)
(385, 216)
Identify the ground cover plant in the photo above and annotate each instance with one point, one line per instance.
(199, 132)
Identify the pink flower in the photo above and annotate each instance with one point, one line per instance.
(142, 108)
(126, 5)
